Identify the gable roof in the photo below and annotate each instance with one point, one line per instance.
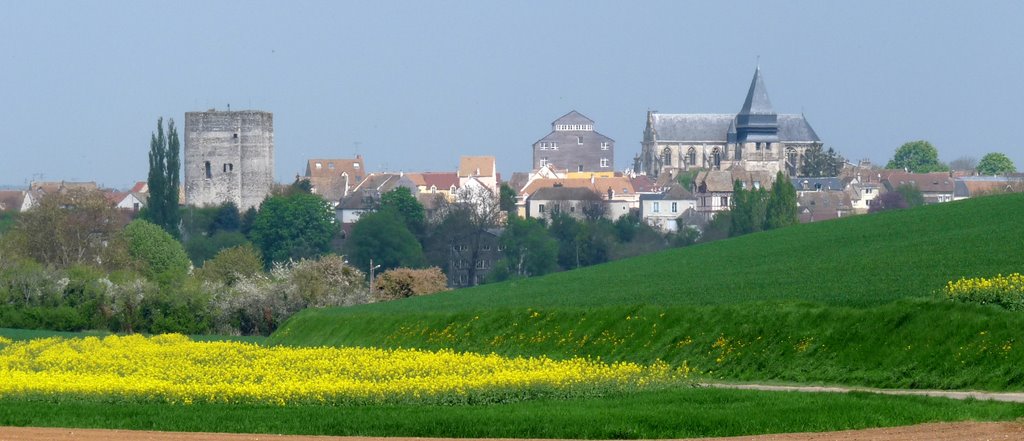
(565, 194)
(11, 200)
(480, 166)
(817, 184)
(441, 180)
(335, 167)
(715, 127)
(938, 182)
(140, 187)
(618, 184)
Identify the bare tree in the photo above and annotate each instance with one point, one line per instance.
(965, 163)
(68, 228)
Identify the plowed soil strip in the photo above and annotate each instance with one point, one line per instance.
(922, 432)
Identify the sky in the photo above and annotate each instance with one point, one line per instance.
(412, 85)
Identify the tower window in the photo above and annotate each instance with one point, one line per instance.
(209, 173)
(229, 168)
(234, 136)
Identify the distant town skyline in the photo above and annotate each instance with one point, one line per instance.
(412, 86)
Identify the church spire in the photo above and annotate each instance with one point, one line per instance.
(757, 102)
(757, 120)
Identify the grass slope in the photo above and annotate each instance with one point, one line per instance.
(663, 414)
(855, 261)
(848, 301)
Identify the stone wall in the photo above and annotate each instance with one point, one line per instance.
(229, 157)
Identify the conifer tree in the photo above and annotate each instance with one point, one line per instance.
(782, 210)
(163, 180)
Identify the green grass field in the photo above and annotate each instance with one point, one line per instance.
(659, 415)
(852, 301)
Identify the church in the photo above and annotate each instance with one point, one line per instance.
(755, 139)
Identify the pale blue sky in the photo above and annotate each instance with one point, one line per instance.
(417, 84)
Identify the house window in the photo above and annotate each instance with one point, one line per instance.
(486, 247)
(579, 140)
(656, 207)
(554, 146)
(604, 162)
(572, 209)
(463, 279)
(725, 201)
(543, 146)
(868, 191)
(757, 185)
(675, 207)
(540, 208)
(579, 167)
(604, 146)
(501, 247)
(543, 162)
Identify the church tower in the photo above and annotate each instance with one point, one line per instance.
(757, 145)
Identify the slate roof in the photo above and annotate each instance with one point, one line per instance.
(757, 102)
(573, 117)
(705, 127)
(674, 192)
(564, 194)
(518, 180)
(816, 206)
(818, 184)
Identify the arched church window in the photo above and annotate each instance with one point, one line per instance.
(691, 156)
(716, 158)
(666, 157)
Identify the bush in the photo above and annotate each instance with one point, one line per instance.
(160, 257)
(1005, 291)
(230, 265)
(400, 283)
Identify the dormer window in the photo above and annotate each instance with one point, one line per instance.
(355, 165)
(318, 166)
(330, 165)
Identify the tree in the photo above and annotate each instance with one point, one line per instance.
(995, 164)
(383, 238)
(917, 157)
(821, 163)
(964, 163)
(892, 200)
(911, 195)
(400, 283)
(529, 250)
(164, 181)
(68, 228)
(160, 257)
(507, 199)
(296, 226)
(231, 265)
(227, 218)
(403, 203)
(748, 209)
(782, 209)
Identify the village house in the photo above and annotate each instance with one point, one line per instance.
(661, 210)
(936, 187)
(461, 270)
(578, 202)
(366, 196)
(333, 179)
(573, 145)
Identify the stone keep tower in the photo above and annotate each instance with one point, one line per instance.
(229, 157)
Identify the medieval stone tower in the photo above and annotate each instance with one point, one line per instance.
(229, 157)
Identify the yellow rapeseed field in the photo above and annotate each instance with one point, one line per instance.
(1007, 291)
(172, 368)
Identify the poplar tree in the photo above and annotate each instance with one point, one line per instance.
(163, 180)
(782, 210)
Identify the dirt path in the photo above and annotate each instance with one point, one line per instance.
(1010, 397)
(923, 432)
